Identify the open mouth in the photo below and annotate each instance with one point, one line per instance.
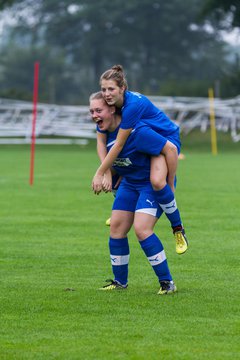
(99, 122)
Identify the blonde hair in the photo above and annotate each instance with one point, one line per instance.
(116, 73)
(96, 96)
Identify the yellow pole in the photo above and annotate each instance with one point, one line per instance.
(212, 122)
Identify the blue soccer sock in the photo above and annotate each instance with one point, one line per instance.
(155, 253)
(165, 198)
(119, 255)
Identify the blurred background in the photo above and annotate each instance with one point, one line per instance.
(172, 51)
(53, 237)
(168, 48)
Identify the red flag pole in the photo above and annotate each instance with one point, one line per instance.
(34, 120)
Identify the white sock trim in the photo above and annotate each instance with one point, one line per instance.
(157, 258)
(118, 260)
(170, 207)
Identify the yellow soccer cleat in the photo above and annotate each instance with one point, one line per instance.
(113, 285)
(167, 288)
(108, 222)
(181, 242)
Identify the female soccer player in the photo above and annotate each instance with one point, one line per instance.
(141, 116)
(134, 203)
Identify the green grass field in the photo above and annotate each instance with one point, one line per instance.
(53, 237)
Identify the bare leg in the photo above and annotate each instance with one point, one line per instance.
(121, 222)
(159, 172)
(143, 225)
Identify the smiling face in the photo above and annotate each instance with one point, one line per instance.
(112, 93)
(102, 114)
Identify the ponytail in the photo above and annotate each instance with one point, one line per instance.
(116, 73)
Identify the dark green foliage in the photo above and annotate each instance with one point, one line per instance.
(226, 12)
(6, 3)
(158, 43)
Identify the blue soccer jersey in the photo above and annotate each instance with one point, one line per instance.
(133, 162)
(130, 163)
(135, 192)
(138, 108)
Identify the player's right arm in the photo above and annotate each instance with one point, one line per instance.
(101, 145)
(102, 153)
(110, 158)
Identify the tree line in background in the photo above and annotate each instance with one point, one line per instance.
(166, 47)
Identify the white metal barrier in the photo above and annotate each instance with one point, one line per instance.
(191, 113)
(55, 124)
(72, 124)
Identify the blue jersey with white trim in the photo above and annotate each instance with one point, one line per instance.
(138, 108)
(130, 163)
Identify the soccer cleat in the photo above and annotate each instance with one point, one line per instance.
(181, 241)
(113, 285)
(108, 222)
(167, 288)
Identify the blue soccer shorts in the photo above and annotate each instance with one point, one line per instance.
(151, 142)
(136, 197)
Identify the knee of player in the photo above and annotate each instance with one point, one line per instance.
(169, 147)
(158, 181)
(140, 231)
(117, 229)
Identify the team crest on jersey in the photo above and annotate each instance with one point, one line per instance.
(121, 162)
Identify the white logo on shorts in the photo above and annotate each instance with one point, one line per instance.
(150, 202)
